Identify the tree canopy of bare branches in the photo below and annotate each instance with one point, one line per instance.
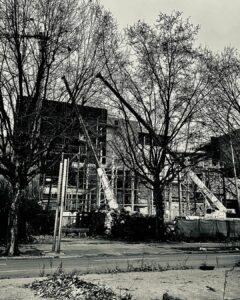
(223, 109)
(224, 99)
(164, 83)
(41, 41)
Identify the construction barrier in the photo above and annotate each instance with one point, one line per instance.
(210, 229)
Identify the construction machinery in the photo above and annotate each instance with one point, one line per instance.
(219, 210)
(106, 186)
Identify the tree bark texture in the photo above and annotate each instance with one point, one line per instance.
(12, 237)
(159, 204)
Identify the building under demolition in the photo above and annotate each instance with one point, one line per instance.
(84, 191)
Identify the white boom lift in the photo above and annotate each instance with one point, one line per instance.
(107, 188)
(219, 209)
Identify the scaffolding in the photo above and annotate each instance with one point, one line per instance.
(182, 197)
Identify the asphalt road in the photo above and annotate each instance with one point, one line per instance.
(35, 267)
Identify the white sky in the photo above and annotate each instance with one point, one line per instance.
(219, 19)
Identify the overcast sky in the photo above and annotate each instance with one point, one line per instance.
(219, 19)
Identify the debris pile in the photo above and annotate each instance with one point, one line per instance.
(63, 286)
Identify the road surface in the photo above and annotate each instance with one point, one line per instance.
(34, 267)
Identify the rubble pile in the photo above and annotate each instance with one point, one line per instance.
(67, 286)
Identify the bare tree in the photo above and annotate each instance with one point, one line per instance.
(223, 106)
(162, 88)
(40, 42)
(89, 52)
(223, 110)
(32, 40)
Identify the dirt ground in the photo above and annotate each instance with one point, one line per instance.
(186, 284)
(12, 289)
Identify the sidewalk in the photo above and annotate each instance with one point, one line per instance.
(91, 247)
(186, 284)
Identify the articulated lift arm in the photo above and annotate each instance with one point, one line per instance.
(213, 201)
(110, 197)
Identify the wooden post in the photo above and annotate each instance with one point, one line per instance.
(57, 205)
(63, 195)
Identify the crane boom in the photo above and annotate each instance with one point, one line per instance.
(212, 199)
(110, 197)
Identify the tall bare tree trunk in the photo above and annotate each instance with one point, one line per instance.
(12, 238)
(159, 204)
